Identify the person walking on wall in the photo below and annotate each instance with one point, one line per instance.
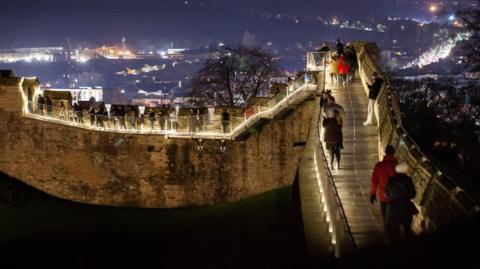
(49, 104)
(333, 138)
(151, 116)
(225, 121)
(400, 190)
(373, 92)
(382, 172)
(340, 47)
(61, 111)
(333, 69)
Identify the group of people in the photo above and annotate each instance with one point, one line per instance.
(389, 181)
(333, 114)
(395, 190)
(127, 117)
(44, 105)
(342, 64)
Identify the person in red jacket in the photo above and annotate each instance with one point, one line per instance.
(343, 69)
(382, 172)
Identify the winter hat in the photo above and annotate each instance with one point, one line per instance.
(402, 168)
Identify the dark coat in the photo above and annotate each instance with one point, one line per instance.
(374, 89)
(333, 131)
(400, 190)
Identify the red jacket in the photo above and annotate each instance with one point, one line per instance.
(343, 66)
(382, 172)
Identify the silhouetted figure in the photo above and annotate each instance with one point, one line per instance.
(102, 115)
(333, 138)
(173, 119)
(340, 47)
(151, 117)
(400, 190)
(40, 104)
(49, 105)
(91, 111)
(225, 121)
(161, 120)
(61, 111)
(331, 106)
(132, 119)
(121, 117)
(325, 96)
(382, 172)
(373, 92)
(351, 59)
(324, 47)
(113, 116)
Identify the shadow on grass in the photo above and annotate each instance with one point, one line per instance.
(36, 228)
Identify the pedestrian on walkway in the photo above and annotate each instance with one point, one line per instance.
(49, 105)
(339, 46)
(324, 48)
(400, 190)
(382, 172)
(330, 106)
(151, 116)
(333, 138)
(351, 59)
(343, 69)
(324, 98)
(333, 69)
(40, 104)
(61, 111)
(373, 92)
(225, 121)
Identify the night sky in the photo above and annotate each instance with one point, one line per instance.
(29, 23)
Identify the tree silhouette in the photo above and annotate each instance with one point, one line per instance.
(471, 47)
(234, 76)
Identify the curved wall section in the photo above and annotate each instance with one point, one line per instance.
(146, 170)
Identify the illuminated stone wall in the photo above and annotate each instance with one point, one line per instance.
(146, 170)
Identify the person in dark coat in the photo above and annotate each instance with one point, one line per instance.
(225, 121)
(340, 47)
(151, 116)
(373, 92)
(400, 209)
(49, 105)
(333, 137)
(324, 48)
(325, 96)
(351, 59)
(40, 104)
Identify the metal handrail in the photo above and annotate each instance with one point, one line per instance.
(333, 185)
(174, 126)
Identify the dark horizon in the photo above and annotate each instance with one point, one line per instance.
(52, 22)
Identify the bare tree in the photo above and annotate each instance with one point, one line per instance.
(234, 76)
(471, 47)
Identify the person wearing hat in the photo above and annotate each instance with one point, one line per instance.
(373, 91)
(400, 190)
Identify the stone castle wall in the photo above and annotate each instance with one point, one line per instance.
(145, 170)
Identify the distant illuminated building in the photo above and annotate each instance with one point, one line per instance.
(83, 93)
(28, 55)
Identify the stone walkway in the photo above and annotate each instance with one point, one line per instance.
(359, 156)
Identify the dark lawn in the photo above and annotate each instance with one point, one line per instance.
(261, 231)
